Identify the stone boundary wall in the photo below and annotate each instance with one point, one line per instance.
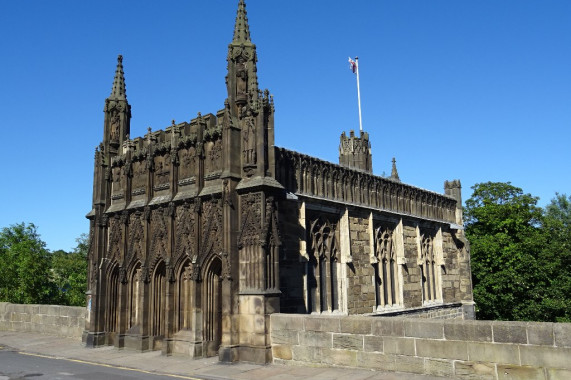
(57, 320)
(446, 311)
(459, 349)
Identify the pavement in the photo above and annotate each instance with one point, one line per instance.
(182, 367)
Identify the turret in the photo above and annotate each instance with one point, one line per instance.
(117, 113)
(355, 152)
(454, 189)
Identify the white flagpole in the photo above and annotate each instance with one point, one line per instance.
(359, 94)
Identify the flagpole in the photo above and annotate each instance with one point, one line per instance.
(359, 94)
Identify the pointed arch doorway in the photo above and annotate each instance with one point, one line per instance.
(212, 306)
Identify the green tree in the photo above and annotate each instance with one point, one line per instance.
(556, 303)
(69, 273)
(504, 228)
(24, 266)
(521, 254)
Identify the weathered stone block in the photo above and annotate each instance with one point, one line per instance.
(306, 354)
(474, 370)
(399, 346)
(384, 326)
(287, 321)
(282, 352)
(549, 357)
(424, 328)
(374, 360)
(439, 367)
(442, 349)
(493, 353)
(558, 374)
(562, 334)
(510, 332)
(506, 372)
(346, 358)
(409, 364)
(330, 324)
(475, 331)
(316, 339)
(540, 334)
(356, 325)
(373, 343)
(348, 342)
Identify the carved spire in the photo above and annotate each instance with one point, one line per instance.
(241, 28)
(118, 92)
(117, 112)
(242, 79)
(394, 172)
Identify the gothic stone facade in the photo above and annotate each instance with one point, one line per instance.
(200, 231)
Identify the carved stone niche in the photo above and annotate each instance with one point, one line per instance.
(139, 182)
(187, 170)
(119, 182)
(163, 167)
(213, 159)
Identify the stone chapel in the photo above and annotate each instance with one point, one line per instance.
(200, 231)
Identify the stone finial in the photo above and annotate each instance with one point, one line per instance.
(118, 91)
(394, 172)
(241, 28)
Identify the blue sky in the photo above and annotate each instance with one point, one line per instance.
(475, 90)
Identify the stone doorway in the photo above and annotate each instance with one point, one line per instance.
(212, 306)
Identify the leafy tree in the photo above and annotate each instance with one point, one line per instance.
(69, 273)
(520, 266)
(24, 266)
(556, 303)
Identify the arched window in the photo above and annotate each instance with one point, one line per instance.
(386, 270)
(428, 272)
(323, 267)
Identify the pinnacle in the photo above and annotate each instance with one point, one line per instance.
(118, 91)
(394, 172)
(241, 29)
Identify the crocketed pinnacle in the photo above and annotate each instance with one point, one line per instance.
(241, 29)
(118, 91)
(394, 172)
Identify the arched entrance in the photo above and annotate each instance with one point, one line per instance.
(212, 306)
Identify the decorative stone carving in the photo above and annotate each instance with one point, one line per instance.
(115, 238)
(251, 215)
(185, 225)
(211, 229)
(136, 237)
(159, 237)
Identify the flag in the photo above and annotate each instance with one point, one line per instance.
(353, 65)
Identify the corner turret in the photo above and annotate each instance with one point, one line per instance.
(454, 189)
